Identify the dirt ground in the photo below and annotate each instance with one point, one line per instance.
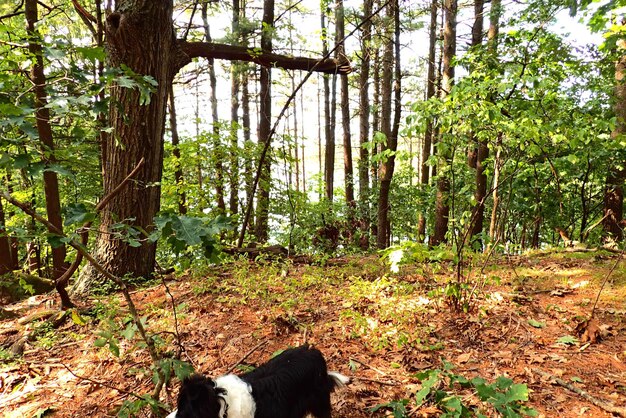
(377, 327)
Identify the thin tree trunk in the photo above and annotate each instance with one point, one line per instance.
(614, 192)
(44, 128)
(329, 128)
(247, 141)
(6, 251)
(265, 116)
(482, 150)
(386, 167)
(442, 207)
(178, 171)
(218, 147)
(492, 45)
(345, 112)
(364, 123)
(431, 84)
(234, 120)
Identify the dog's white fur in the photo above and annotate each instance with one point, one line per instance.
(238, 397)
(339, 379)
(238, 400)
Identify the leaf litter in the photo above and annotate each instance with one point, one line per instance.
(380, 328)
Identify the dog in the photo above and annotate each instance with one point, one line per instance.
(291, 385)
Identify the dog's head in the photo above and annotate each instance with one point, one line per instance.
(199, 398)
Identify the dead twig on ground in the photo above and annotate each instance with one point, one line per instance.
(600, 403)
(256, 347)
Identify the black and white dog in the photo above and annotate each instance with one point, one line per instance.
(291, 385)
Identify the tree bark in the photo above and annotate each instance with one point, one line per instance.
(614, 192)
(263, 58)
(442, 207)
(265, 124)
(139, 35)
(329, 127)
(431, 84)
(345, 112)
(492, 45)
(6, 250)
(218, 147)
(235, 75)
(181, 196)
(364, 122)
(44, 129)
(387, 166)
(482, 151)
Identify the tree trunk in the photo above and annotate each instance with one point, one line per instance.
(139, 35)
(492, 45)
(614, 193)
(265, 126)
(44, 129)
(218, 147)
(181, 196)
(364, 123)
(442, 208)
(482, 151)
(431, 84)
(235, 74)
(387, 166)
(6, 250)
(247, 141)
(329, 127)
(345, 113)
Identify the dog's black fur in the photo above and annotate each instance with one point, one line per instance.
(290, 385)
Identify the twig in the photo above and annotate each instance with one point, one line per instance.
(600, 403)
(256, 347)
(380, 382)
(606, 279)
(369, 366)
(95, 382)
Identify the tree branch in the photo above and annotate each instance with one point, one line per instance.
(267, 59)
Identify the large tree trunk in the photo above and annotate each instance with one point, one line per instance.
(614, 193)
(442, 207)
(139, 35)
(265, 124)
(364, 123)
(431, 84)
(44, 129)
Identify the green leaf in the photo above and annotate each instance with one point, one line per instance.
(77, 319)
(517, 392)
(77, 213)
(536, 324)
(567, 340)
(100, 342)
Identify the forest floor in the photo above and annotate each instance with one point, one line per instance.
(379, 328)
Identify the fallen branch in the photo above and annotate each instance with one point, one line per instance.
(256, 347)
(607, 406)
